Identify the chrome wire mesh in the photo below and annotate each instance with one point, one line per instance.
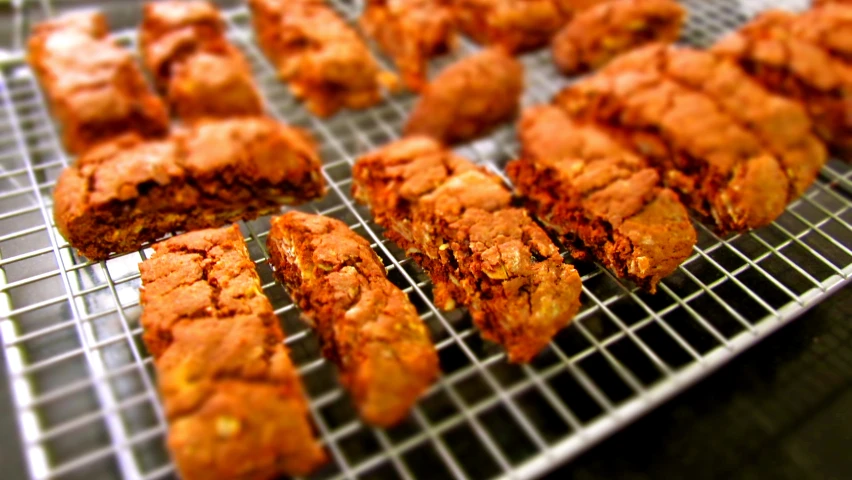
(84, 387)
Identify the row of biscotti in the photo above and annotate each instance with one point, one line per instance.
(331, 68)
(604, 166)
(183, 44)
(228, 385)
(611, 166)
(804, 57)
(102, 95)
(472, 96)
(127, 189)
(584, 33)
(233, 399)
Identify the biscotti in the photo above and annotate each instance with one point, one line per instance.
(781, 126)
(602, 200)
(796, 57)
(469, 98)
(517, 26)
(368, 327)
(596, 35)
(322, 58)
(456, 221)
(93, 86)
(232, 397)
(203, 75)
(129, 192)
(411, 32)
(720, 169)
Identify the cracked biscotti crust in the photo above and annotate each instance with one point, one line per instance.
(99, 94)
(718, 167)
(323, 59)
(233, 399)
(368, 327)
(457, 222)
(126, 193)
(602, 200)
(781, 126)
(804, 58)
(595, 36)
(411, 32)
(184, 46)
(469, 98)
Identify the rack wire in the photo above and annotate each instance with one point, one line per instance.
(84, 387)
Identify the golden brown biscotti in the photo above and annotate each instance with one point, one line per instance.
(595, 36)
(719, 168)
(233, 398)
(515, 25)
(457, 222)
(782, 126)
(93, 86)
(601, 199)
(126, 193)
(789, 56)
(368, 327)
(469, 98)
(411, 32)
(322, 58)
(183, 44)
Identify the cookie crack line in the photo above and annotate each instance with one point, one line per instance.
(367, 325)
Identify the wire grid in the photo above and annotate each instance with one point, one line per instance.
(84, 387)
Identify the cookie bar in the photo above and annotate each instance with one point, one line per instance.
(411, 32)
(595, 36)
(516, 25)
(469, 98)
(719, 168)
(601, 199)
(129, 192)
(322, 58)
(232, 397)
(791, 65)
(456, 221)
(369, 328)
(93, 86)
(782, 126)
(184, 46)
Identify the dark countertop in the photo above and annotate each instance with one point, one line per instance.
(781, 410)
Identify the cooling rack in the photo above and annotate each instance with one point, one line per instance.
(84, 388)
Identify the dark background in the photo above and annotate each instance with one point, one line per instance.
(781, 410)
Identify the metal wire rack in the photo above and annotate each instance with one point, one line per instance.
(84, 387)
